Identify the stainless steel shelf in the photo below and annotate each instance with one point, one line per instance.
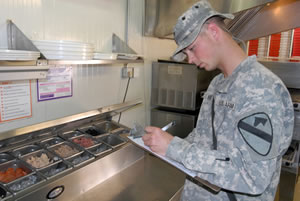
(43, 62)
(23, 70)
(9, 73)
(101, 62)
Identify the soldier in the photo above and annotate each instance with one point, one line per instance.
(245, 123)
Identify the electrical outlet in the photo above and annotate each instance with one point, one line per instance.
(127, 72)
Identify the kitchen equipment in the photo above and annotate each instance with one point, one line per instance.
(178, 85)
(111, 169)
(185, 121)
(176, 94)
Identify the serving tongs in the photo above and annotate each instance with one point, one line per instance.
(138, 131)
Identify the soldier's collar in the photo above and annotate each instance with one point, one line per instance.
(223, 84)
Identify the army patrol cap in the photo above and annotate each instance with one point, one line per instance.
(189, 24)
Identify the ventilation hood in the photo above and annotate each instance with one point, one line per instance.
(253, 18)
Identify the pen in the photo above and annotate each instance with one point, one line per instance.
(138, 131)
(169, 125)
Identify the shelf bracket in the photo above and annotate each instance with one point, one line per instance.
(15, 39)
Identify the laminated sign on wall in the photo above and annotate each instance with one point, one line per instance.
(15, 100)
(58, 84)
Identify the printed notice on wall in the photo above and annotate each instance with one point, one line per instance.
(15, 100)
(58, 84)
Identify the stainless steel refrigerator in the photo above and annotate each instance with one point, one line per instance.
(176, 95)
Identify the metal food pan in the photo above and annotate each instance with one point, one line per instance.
(112, 140)
(85, 141)
(36, 157)
(70, 134)
(18, 139)
(100, 149)
(51, 141)
(26, 182)
(92, 130)
(12, 167)
(44, 135)
(81, 158)
(55, 169)
(3, 143)
(14, 141)
(25, 150)
(4, 193)
(4, 157)
(64, 149)
(109, 127)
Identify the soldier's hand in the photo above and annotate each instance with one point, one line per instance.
(157, 140)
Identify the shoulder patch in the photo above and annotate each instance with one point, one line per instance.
(257, 131)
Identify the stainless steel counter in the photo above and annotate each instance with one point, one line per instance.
(126, 174)
(104, 165)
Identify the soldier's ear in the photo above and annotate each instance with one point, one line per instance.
(214, 31)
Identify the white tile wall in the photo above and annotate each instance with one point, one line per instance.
(91, 21)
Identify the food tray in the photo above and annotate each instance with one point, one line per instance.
(100, 149)
(18, 139)
(4, 157)
(81, 158)
(70, 134)
(15, 141)
(55, 169)
(66, 151)
(25, 150)
(92, 130)
(112, 140)
(51, 141)
(25, 183)
(85, 141)
(108, 127)
(44, 135)
(40, 159)
(13, 170)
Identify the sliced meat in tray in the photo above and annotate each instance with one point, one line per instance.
(65, 149)
(40, 159)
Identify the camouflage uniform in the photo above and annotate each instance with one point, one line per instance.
(253, 124)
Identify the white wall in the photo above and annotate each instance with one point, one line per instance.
(91, 21)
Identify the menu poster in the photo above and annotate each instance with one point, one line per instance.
(58, 84)
(15, 100)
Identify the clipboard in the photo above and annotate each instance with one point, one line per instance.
(139, 142)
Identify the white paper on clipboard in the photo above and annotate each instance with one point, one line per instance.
(139, 142)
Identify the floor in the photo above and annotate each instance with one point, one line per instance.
(297, 191)
(296, 194)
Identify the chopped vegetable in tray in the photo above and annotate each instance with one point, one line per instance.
(11, 174)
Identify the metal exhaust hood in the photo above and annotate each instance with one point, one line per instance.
(253, 18)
